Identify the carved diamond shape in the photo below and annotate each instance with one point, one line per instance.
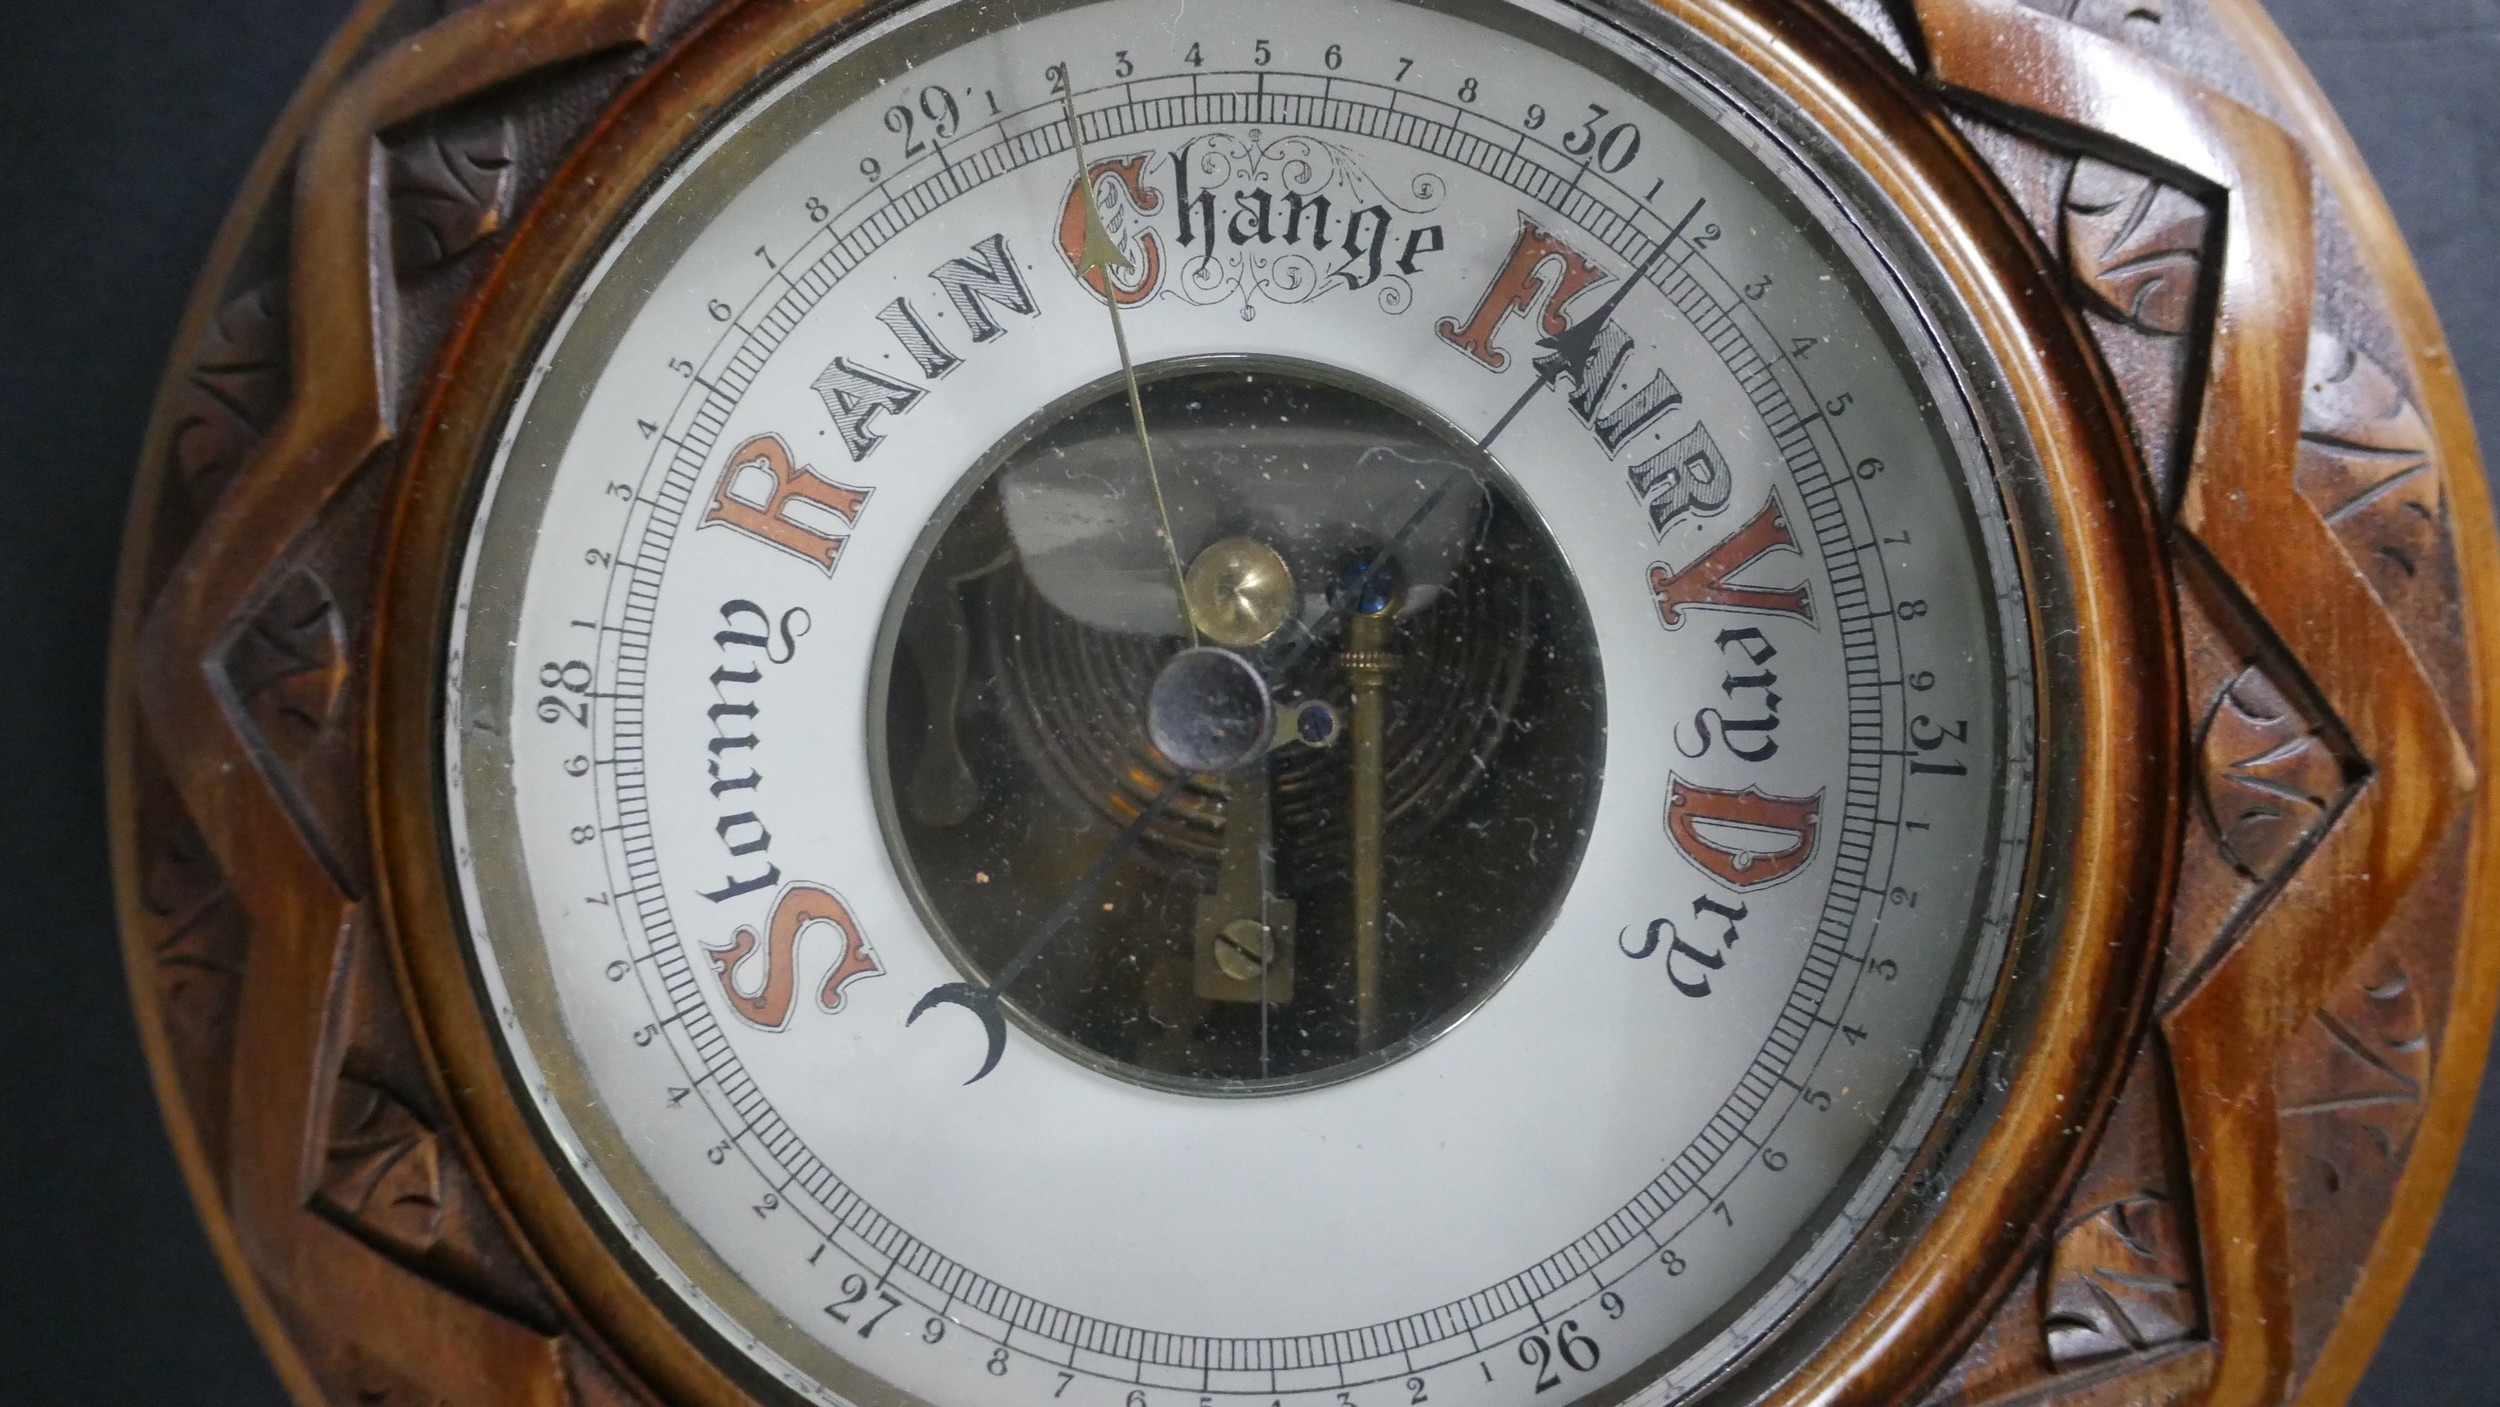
(2272, 776)
(2135, 244)
(449, 188)
(2274, 765)
(2272, 768)
(289, 664)
(2120, 1282)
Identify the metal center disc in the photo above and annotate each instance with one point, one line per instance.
(1209, 711)
(1240, 591)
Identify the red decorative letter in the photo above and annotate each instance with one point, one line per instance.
(799, 907)
(1516, 290)
(1705, 582)
(1753, 839)
(1086, 243)
(766, 515)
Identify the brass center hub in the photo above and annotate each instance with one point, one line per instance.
(1240, 592)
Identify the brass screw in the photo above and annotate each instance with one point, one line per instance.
(1241, 950)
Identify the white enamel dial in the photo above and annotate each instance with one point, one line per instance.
(805, 630)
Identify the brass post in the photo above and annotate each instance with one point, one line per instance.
(1368, 666)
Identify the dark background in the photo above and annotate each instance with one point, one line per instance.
(125, 126)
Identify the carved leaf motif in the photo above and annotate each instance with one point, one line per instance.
(2135, 245)
(2364, 1062)
(2367, 466)
(2351, 1084)
(180, 877)
(2122, 1277)
(449, 189)
(234, 390)
(200, 939)
(2272, 778)
(2119, 1282)
(290, 664)
(201, 944)
(383, 1169)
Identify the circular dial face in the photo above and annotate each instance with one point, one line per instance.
(1157, 704)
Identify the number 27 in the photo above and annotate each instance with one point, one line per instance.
(854, 1290)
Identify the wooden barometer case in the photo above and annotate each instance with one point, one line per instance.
(1310, 703)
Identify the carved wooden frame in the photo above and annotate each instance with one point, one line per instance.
(2084, 1017)
(2212, 329)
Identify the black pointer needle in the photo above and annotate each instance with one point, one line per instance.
(1572, 348)
(1574, 345)
(982, 1001)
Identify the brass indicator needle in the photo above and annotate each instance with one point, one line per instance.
(982, 999)
(1101, 253)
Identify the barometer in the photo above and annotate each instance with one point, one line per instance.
(1309, 704)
